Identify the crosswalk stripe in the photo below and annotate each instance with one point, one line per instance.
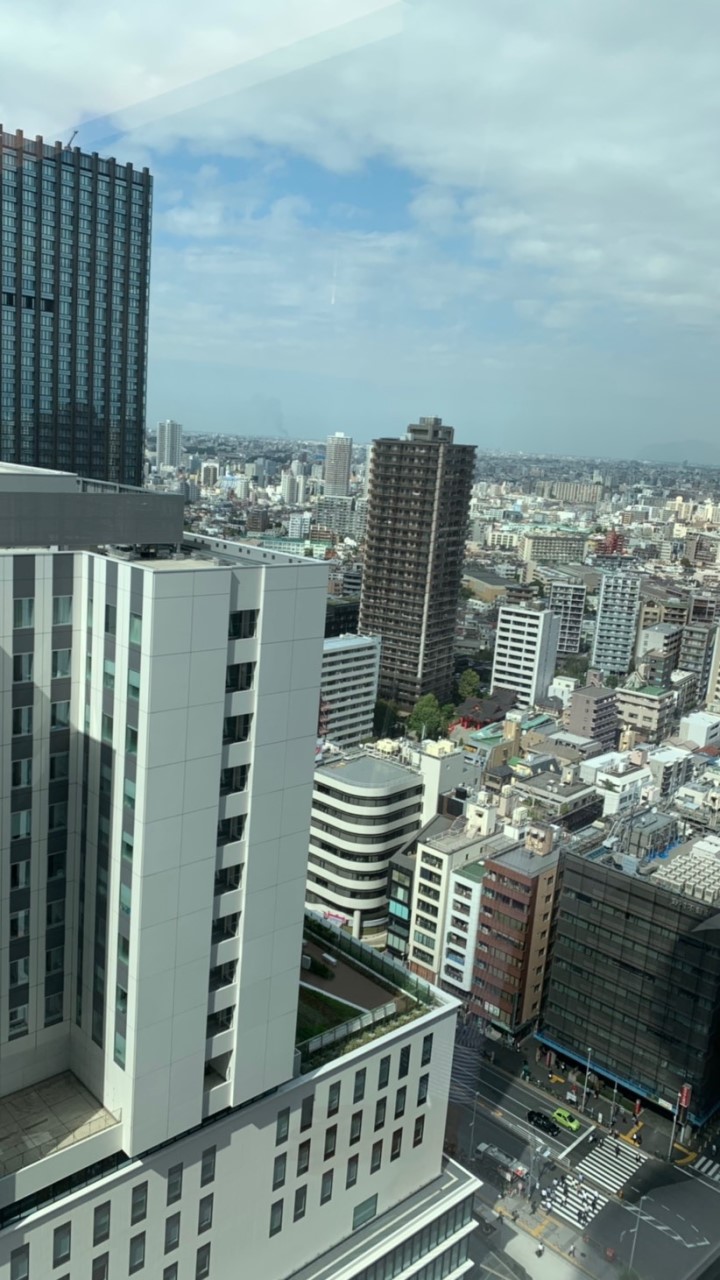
(570, 1210)
(706, 1166)
(610, 1164)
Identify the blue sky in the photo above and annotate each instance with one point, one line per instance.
(505, 214)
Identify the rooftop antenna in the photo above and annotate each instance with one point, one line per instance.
(68, 145)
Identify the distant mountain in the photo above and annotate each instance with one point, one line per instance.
(698, 453)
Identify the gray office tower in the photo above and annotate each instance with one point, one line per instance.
(74, 272)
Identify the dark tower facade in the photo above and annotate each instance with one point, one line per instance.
(417, 521)
(74, 276)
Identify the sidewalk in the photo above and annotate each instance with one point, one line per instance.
(520, 1240)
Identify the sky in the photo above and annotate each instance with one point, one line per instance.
(502, 212)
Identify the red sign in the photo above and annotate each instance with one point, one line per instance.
(685, 1095)
(638, 1106)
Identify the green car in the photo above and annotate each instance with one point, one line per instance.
(566, 1120)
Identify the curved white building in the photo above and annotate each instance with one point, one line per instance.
(364, 809)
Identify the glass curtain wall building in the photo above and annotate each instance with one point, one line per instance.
(74, 271)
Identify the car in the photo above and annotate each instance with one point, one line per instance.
(565, 1119)
(540, 1120)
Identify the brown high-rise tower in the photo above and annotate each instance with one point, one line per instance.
(414, 548)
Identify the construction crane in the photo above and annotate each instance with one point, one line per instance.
(69, 144)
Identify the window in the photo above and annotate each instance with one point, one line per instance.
(352, 1171)
(133, 688)
(17, 1021)
(418, 1131)
(57, 816)
(101, 1267)
(19, 971)
(20, 1263)
(110, 619)
(19, 923)
(135, 628)
(131, 741)
(21, 774)
(207, 1167)
(276, 1217)
(205, 1214)
(22, 721)
(174, 1183)
(172, 1232)
(60, 667)
(22, 668)
(139, 1203)
(306, 1112)
(20, 874)
(20, 824)
(300, 1203)
(400, 1099)
(62, 611)
(404, 1066)
(61, 1244)
(380, 1109)
(376, 1157)
(137, 1253)
(282, 1126)
(107, 728)
(101, 1223)
(23, 613)
(330, 1141)
(108, 674)
(202, 1263)
(59, 765)
(242, 624)
(359, 1086)
(56, 866)
(396, 1145)
(59, 715)
(333, 1098)
(279, 1171)
(355, 1127)
(384, 1073)
(326, 1187)
(423, 1083)
(303, 1160)
(427, 1045)
(129, 797)
(364, 1213)
(171, 1272)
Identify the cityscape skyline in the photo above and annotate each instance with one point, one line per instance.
(555, 268)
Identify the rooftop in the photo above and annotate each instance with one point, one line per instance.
(526, 861)
(594, 693)
(45, 1118)
(367, 771)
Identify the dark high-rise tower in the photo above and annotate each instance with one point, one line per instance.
(414, 549)
(74, 269)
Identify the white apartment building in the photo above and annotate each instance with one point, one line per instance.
(338, 463)
(463, 917)
(364, 809)
(348, 689)
(169, 444)
(567, 602)
(616, 626)
(157, 743)
(525, 651)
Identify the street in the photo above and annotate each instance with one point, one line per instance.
(620, 1204)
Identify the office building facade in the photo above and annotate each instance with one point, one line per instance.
(158, 723)
(348, 690)
(414, 547)
(616, 626)
(74, 273)
(593, 713)
(526, 645)
(169, 444)
(338, 464)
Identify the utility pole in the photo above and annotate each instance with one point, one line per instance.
(472, 1127)
(614, 1105)
(585, 1086)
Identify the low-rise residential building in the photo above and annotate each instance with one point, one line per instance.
(348, 689)
(461, 929)
(592, 713)
(701, 728)
(671, 767)
(621, 779)
(559, 796)
(648, 710)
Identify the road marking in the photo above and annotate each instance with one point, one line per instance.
(580, 1138)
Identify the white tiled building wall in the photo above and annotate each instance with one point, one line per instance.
(350, 673)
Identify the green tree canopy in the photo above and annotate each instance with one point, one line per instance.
(385, 720)
(468, 684)
(428, 719)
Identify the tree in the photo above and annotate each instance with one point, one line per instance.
(468, 684)
(428, 719)
(385, 720)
